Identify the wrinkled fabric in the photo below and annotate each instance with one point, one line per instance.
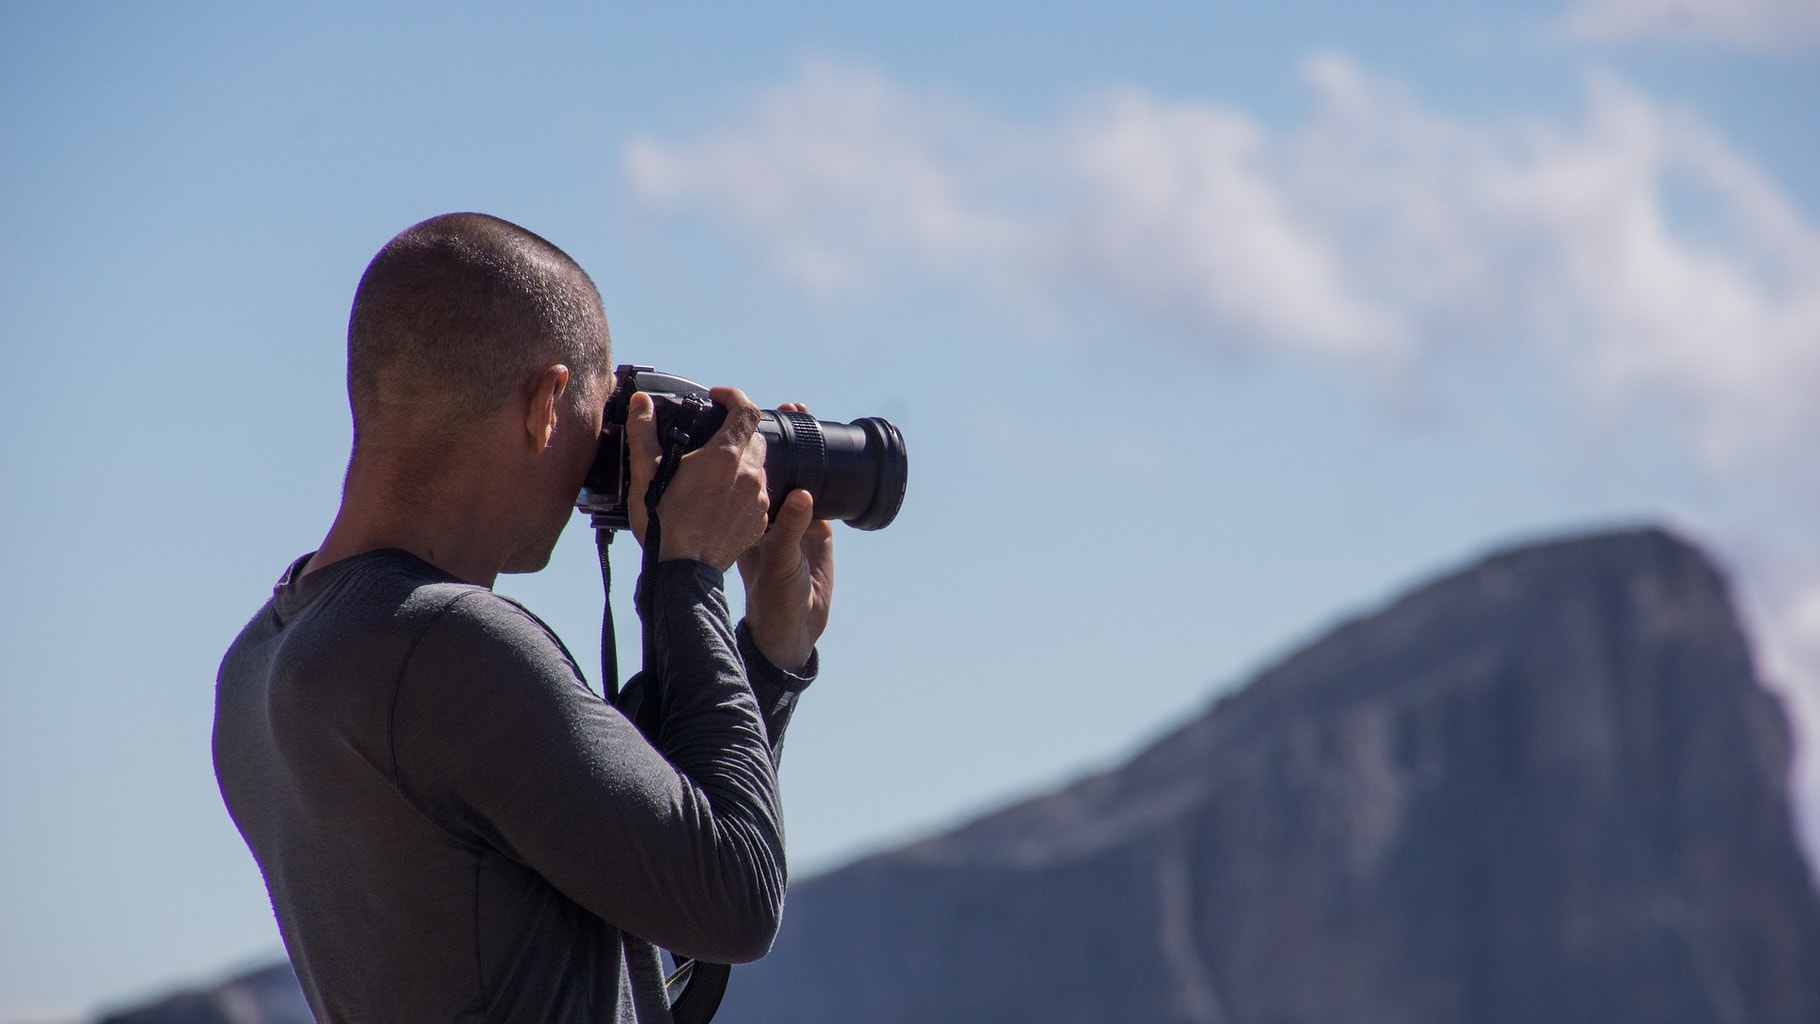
(454, 827)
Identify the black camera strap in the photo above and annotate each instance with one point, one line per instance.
(695, 987)
(609, 642)
(674, 447)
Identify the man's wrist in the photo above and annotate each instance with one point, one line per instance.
(788, 656)
(791, 676)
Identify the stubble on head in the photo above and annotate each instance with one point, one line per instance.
(454, 323)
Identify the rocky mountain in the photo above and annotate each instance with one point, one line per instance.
(1549, 787)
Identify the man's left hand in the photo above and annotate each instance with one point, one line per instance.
(789, 577)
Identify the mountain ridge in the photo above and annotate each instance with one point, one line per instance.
(1198, 737)
(1545, 786)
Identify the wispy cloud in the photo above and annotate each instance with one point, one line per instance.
(1651, 265)
(841, 176)
(1659, 272)
(1772, 25)
(1651, 270)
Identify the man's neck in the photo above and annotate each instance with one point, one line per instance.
(449, 521)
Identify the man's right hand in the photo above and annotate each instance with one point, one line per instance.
(715, 507)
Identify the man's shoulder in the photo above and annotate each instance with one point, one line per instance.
(433, 607)
(459, 629)
(484, 661)
(347, 637)
(388, 589)
(371, 610)
(480, 618)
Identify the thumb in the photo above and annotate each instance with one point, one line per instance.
(792, 521)
(641, 434)
(642, 454)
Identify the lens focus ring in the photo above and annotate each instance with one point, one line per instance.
(805, 458)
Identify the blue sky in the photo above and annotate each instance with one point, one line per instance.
(1207, 324)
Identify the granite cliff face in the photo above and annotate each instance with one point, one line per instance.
(1547, 788)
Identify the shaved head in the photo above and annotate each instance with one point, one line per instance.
(457, 314)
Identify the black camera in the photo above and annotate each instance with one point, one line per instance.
(855, 471)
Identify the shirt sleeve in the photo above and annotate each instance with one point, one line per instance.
(497, 739)
(776, 689)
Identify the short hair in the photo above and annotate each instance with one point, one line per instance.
(456, 313)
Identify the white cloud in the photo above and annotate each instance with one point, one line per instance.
(839, 173)
(1657, 272)
(1745, 24)
(1177, 209)
(841, 176)
(1649, 268)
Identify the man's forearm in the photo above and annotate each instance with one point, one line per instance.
(699, 668)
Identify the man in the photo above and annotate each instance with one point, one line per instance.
(452, 826)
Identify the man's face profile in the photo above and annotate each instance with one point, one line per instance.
(562, 467)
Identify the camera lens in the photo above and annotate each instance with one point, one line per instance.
(857, 471)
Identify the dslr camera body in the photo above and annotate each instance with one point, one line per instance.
(857, 471)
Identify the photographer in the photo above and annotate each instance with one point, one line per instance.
(451, 824)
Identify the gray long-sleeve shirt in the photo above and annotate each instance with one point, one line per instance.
(453, 827)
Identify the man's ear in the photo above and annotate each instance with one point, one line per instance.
(546, 391)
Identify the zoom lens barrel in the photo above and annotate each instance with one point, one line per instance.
(857, 471)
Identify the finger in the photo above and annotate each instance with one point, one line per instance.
(818, 555)
(641, 440)
(752, 454)
(752, 472)
(818, 550)
(780, 537)
(742, 417)
(750, 482)
(641, 431)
